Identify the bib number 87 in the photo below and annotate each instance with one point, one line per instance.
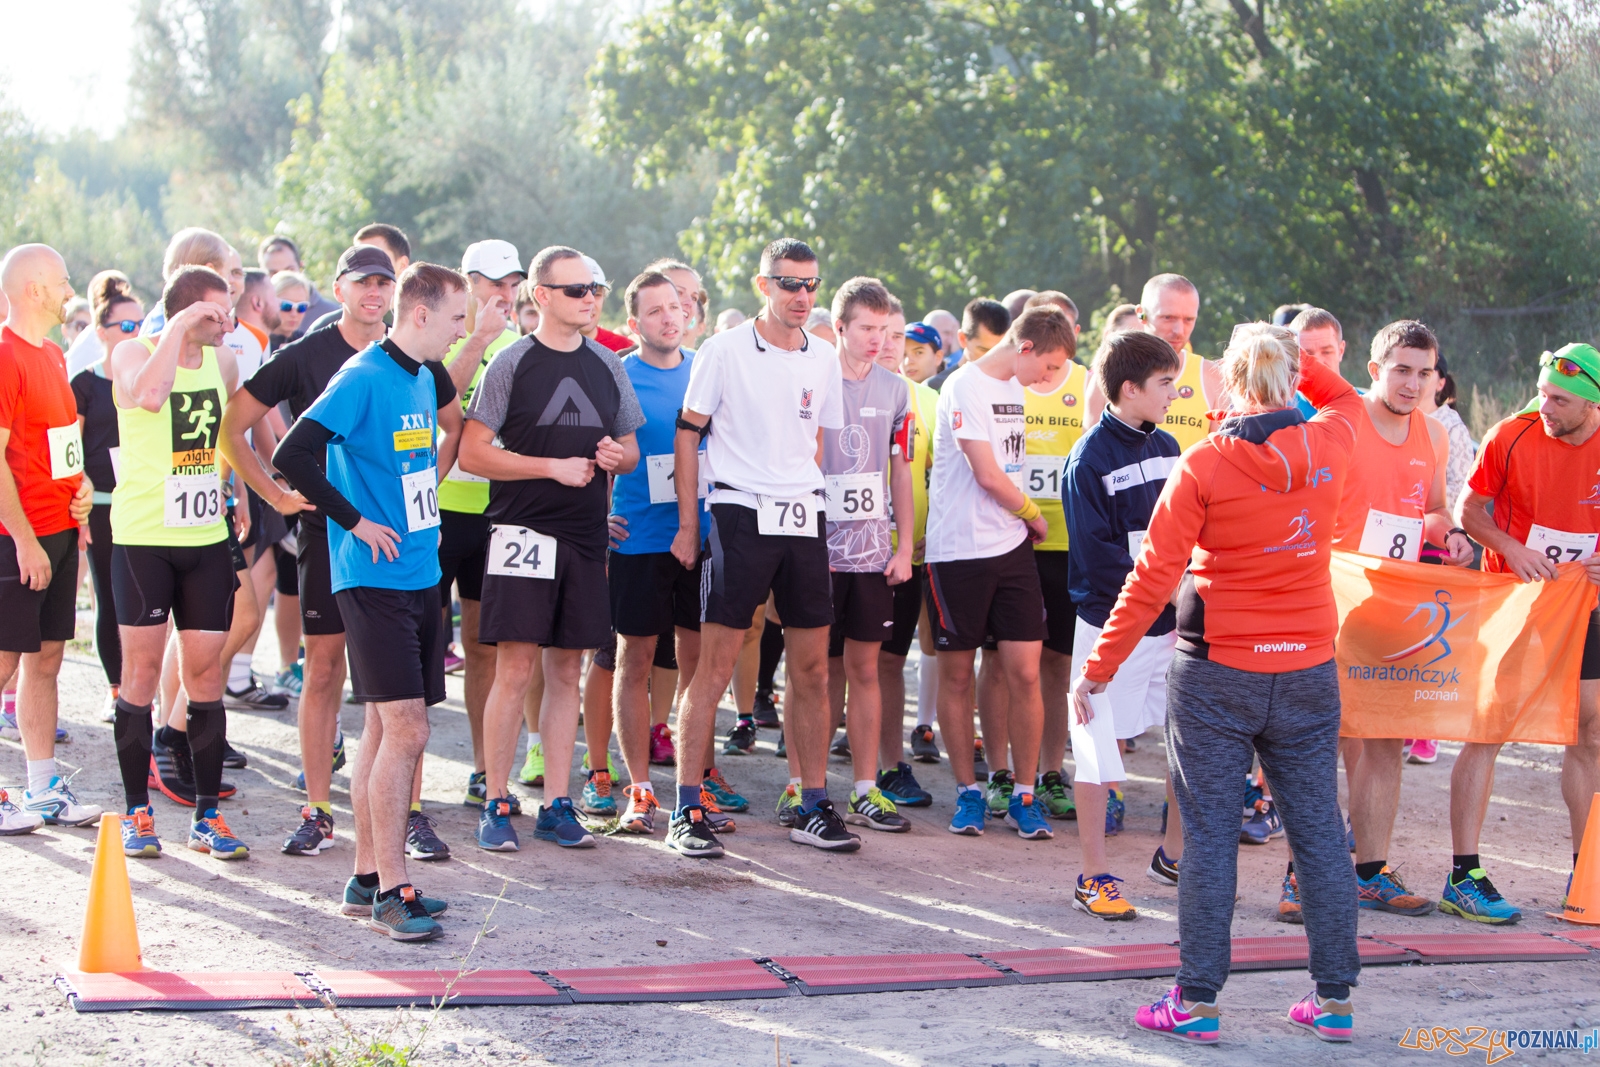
(1560, 554)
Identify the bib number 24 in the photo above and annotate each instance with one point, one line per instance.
(518, 552)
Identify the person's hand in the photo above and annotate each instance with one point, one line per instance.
(491, 320)
(33, 565)
(608, 455)
(1529, 565)
(1591, 567)
(1081, 688)
(199, 313)
(292, 503)
(899, 568)
(241, 521)
(576, 471)
(686, 547)
(1038, 527)
(82, 501)
(617, 526)
(1459, 547)
(378, 538)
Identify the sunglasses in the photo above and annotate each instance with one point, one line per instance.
(289, 305)
(1569, 368)
(129, 326)
(578, 292)
(794, 285)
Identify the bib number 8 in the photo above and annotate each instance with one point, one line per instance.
(1397, 550)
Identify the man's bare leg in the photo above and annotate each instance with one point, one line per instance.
(892, 720)
(1580, 766)
(697, 714)
(598, 687)
(558, 719)
(955, 713)
(503, 712)
(477, 676)
(319, 713)
(1025, 710)
(38, 699)
(993, 705)
(396, 734)
(860, 664)
(1471, 782)
(1375, 797)
(806, 707)
(632, 696)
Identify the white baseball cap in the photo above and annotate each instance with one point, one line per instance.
(494, 259)
(599, 275)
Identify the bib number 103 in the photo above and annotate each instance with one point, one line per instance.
(192, 500)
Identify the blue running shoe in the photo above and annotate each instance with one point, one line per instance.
(1385, 892)
(477, 790)
(1253, 794)
(1116, 810)
(1263, 826)
(1475, 898)
(338, 761)
(971, 810)
(11, 732)
(596, 798)
(210, 833)
(723, 793)
(139, 833)
(495, 832)
(403, 917)
(902, 787)
(558, 822)
(358, 900)
(1026, 817)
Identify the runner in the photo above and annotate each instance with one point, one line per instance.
(981, 573)
(1321, 338)
(923, 345)
(1537, 468)
(278, 254)
(1254, 671)
(760, 399)
(1111, 483)
(983, 324)
(562, 407)
(44, 497)
(1393, 502)
(866, 469)
(692, 297)
(171, 554)
(294, 303)
(374, 423)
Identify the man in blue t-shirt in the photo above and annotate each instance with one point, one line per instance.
(375, 422)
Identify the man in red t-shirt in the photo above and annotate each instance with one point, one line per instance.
(44, 498)
(1541, 470)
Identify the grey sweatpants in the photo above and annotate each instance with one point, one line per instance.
(1216, 716)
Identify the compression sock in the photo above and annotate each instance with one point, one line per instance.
(208, 724)
(132, 731)
(1461, 866)
(927, 690)
(1368, 871)
(771, 650)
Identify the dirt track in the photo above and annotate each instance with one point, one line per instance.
(924, 891)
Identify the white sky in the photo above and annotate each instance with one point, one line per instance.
(66, 65)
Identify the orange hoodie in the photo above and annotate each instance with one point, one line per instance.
(1255, 504)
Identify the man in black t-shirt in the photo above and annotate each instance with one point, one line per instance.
(297, 375)
(564, 413)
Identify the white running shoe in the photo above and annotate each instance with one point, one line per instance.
(14, 821)
(58, 806)
(109, 712)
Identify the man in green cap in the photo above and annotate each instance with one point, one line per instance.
(1541, 470)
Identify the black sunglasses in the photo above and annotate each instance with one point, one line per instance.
(286, 305)
(794, 285)
(578, 292)
(129, 326)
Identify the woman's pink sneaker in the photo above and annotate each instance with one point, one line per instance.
(1196, 1024)
(1330, 1020)
(1423, 752)
(662, 752)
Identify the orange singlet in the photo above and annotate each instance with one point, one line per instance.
(1386, 491)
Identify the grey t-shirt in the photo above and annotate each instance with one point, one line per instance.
(855, 464)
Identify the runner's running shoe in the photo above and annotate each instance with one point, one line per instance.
(477, 790)
(533, 767)
(139, 834)
(924, 749)
(841, 747)
(1349, 834)
(1475, 898)
(1289, 902)
(15, 821)
(338, 761)
(1116, 812)
(688, 834)
(789, 806)
(172, 772)
(253, 697)
(358, 900)
(1331, 1020)
(454, 662)
(291, 680)
(314, 835)
(11, 732)
(1101, 897)
(403, 917)
(58, 805)
(1162, 869)
(1421, 752)
(822, 828)
(1053, 793)
(232, 758)
(495, 832)
(640, 815)
(1263, 826)
(558, 822)
(719, 822)
(980, 763)
(611, 765)
(875, 811)
(902, 787)
(1385, 892)
(210, 833)
(1197, 1024)
(997, 794)
(596, 798)
(741, 739)
(782, 749)
(766, 710)
(662, 752)
(971, 810)
(422, 843)
(1026, 816)
(723, 793)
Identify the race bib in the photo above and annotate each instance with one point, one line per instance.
(518, 552)
(421, 491)
(852, 497)
(1135, 542)
(1393, 536)
(192, 500)
(66, 450)
(458, 475)
(786, 518)
(659, 469)
(1041, 477)
(1559, 546)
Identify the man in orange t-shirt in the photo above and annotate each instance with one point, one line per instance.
(1540, 469)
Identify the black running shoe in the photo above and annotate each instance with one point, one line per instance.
(741, 739)
(689, 834)
(766, 712)
(783, 747)
(421, 842)
(841, 747)
(924, 749)
(232, 758)
(172, 772)
(254, 697)
(821, 827)
(314, 835)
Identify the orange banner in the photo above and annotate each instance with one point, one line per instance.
(1458, 655)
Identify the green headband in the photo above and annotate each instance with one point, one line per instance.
(1586, 383)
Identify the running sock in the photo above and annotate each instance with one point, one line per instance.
(393, 893)
(533, 739)
(688, 796)
(927, 690)
(367, 881)
(1193, 994)
(1462, 866)
(1333, 991)
(970, 788)
(416, 806)
(862, 787)
(771, 650)
(171, 736)
(1022, 789)
(40, 771)
(208, 724)
(1368, 871)
(132, 731)
(644, 785)
(323, 806)
(810, 798)
(795, 782)
(239, 672)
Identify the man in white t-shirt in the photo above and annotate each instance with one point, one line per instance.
(981, 572)
(759, 397)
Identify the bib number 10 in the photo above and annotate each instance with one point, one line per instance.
(192, 500)
(422, 499)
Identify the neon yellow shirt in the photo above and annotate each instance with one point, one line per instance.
(460, 491)
(1055, 422)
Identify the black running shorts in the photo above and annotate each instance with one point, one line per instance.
(1060, 613)
(395, 640)
(288, 583)
(319, 610)
(863, 610)
(1590, 670)
(997, 597)
(463, 545)
(907, 612)
(193, 585)
(571, 610)
(743, 565)
(28, 618)
(651, 592)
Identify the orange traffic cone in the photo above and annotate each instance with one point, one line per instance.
(1583, 898)
(110, 936)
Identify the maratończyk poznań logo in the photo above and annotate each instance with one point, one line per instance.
(1417, 664)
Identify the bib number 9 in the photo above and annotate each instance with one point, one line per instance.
(421, 491)
(785, 518)
(518, 552)
(66, 451)
(192, 500)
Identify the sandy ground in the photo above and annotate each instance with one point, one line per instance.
(926, 891)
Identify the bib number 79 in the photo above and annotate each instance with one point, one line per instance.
(785, 518)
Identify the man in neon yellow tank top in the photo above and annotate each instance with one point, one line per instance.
(170, 553)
